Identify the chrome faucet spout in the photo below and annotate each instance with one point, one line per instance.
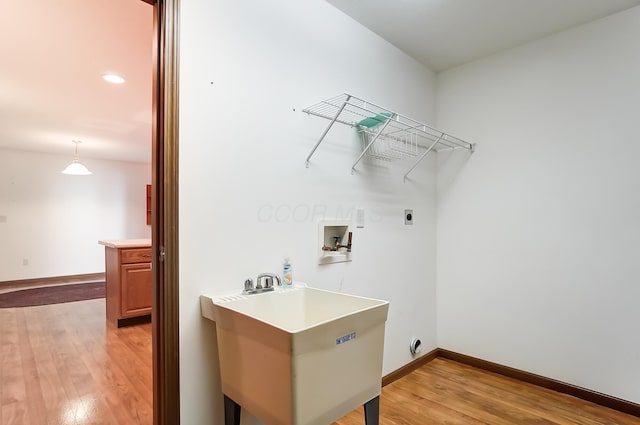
(268, 283)
(259, 288)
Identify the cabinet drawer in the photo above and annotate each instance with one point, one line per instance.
(135, 255)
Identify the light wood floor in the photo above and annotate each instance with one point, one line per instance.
(446, 392)
(61, 365)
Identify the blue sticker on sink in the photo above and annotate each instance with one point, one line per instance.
(345, 338)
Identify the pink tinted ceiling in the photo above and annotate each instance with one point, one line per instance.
(51, 91)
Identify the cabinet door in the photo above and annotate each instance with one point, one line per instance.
(135, 291)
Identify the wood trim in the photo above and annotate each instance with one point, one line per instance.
(50, 281)
(148, 204)
(541, 381)
(165, 314)
(409, 367)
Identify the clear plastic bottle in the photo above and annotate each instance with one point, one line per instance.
(287, 274)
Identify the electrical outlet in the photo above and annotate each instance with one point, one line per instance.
(25, 261)
(408, 217)
(3, 218)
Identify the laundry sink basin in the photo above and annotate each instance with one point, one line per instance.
(299, 356)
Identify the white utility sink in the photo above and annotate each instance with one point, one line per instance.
(300, 356)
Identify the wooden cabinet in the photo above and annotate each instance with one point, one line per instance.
(128, 283)
(135, 296)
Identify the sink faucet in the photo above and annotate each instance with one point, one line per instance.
(268, 283)
(268, 280)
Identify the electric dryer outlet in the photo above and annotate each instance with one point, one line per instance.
(408, 217)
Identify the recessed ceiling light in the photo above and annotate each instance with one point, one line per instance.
(113, 78)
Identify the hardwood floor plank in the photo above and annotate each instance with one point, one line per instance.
(13, 392)
(486, 389)
(460, 399)
(68, 366)
(509, 391)
(53, 392)
(61, 364)
(85, 400)
(12, 389)
(105, 368)
(138, 339)
(562, 407)
(138, 371)
(447, 392)
(16, 414)
(404, 406)
(34, 397)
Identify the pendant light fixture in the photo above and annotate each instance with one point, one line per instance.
(75, 168)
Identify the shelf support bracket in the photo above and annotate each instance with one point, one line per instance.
(364, 151)
(327, 130)
(429, 149)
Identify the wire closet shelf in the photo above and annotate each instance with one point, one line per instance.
(386, 135)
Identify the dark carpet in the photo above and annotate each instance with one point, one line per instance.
(52, 295)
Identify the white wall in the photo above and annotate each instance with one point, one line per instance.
(538, 231)
(245, 65)
(54, 220)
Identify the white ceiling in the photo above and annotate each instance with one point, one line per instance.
(54, 53)
(446, 33)
(51, 91)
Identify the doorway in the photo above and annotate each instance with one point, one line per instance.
(164, 220)
(166, 377)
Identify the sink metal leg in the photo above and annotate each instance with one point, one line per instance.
(372, 411)
(231, 412)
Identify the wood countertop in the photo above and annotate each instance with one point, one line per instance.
(126, 243)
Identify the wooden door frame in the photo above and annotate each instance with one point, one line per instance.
(164, 200)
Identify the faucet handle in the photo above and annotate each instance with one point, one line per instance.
(268, 282)
(248, 285)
